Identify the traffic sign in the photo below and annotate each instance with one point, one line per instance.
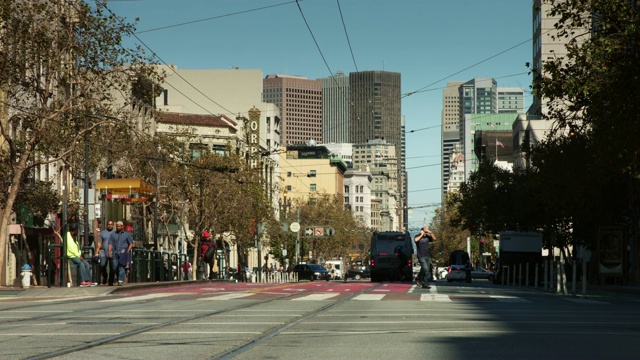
(319, 231)
(330, 232)
(308, 231)
(294, 227)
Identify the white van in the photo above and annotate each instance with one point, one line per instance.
(335, 267)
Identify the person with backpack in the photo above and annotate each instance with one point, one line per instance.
(207, 255)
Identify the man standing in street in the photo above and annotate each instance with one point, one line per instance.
(120, 245)
(422, 241)
(107, 273)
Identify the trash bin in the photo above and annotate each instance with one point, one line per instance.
(26, 276)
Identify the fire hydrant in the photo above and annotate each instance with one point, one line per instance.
(26, 276)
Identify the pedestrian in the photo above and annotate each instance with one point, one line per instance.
(120, 245)
(107, 273)
(207, 255)
(186, 270)
(422, 241)
(467, 271)
(75, 255)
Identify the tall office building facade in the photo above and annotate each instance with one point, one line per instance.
(376, 113)
(300, 103)
(476, 96)
(335, 109)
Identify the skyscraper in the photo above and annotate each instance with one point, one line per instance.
(300, 103)
(335, 109)
(376, 113)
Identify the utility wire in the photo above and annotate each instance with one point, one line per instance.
(213, 18)
(347, 35)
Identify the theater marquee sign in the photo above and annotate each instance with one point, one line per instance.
(253, 134)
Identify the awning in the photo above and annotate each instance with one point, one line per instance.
(125, 186)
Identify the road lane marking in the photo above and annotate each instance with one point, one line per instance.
(369, 297)
(138, 298)
(230, 296)
(506, 298)
(435, 298)
(320, 296)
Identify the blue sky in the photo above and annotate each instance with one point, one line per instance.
(429, 42)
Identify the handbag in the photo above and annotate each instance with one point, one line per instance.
(211, 250)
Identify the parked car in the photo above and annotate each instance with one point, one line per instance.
(456, 274)
(480, 273)
(311, 272)
(359, 272)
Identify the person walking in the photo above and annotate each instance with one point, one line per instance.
(467, 271)
(422, 241)
(75, 255)
(186, 270)
(107, 273)
(120, 245)
(207, 255)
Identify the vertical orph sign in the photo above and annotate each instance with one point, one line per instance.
(253, 133)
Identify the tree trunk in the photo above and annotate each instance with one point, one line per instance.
(19, 170)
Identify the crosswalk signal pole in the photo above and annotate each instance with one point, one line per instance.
(298, 237)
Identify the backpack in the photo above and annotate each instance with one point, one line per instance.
(208, 255)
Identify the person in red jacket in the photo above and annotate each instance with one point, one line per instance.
(207, 262)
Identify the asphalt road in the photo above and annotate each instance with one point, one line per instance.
(319, 320)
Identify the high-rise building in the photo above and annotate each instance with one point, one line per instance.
(300, 103)
(376, 113)
(510, 100)
(450, 129)
(335, 109)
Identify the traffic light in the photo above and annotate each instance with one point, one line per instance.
(481, 246)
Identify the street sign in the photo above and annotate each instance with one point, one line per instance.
(319, 231)
(308, 231)
(294, 227)
(330, 232)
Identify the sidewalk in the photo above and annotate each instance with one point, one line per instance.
(76, 291)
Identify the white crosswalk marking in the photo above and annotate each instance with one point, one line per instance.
(317, 297)
(229, 296)
(585, 301)
(138, 298)
(504, 298)
(369, 297)
(435, 297)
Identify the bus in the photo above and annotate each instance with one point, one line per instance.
(391, 254)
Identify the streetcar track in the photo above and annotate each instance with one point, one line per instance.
(250, 344)
(236, 350)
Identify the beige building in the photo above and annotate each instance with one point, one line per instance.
(308, 170)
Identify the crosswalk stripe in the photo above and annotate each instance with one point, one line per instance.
(322, 296)
(369, 297)
(229, 296)
(137, 298)
(585, 301)
(504, 298)
(435, 297)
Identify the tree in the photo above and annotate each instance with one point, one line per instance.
(593, 98)
(63, 70)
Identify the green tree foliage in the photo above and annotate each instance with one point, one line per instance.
(63, 71)
(327, 211)
(593, 153)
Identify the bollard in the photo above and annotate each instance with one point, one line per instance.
(519, 274)
(26, 276)
(526, 279)
(535, 285)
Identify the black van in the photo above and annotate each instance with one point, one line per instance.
(388, 249)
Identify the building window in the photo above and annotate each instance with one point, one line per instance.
(346, 189)
(288, 187)
(312, 173)
(346, 199)
(289, 174)
(312, 187)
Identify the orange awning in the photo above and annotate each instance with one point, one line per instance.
(125, 186)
